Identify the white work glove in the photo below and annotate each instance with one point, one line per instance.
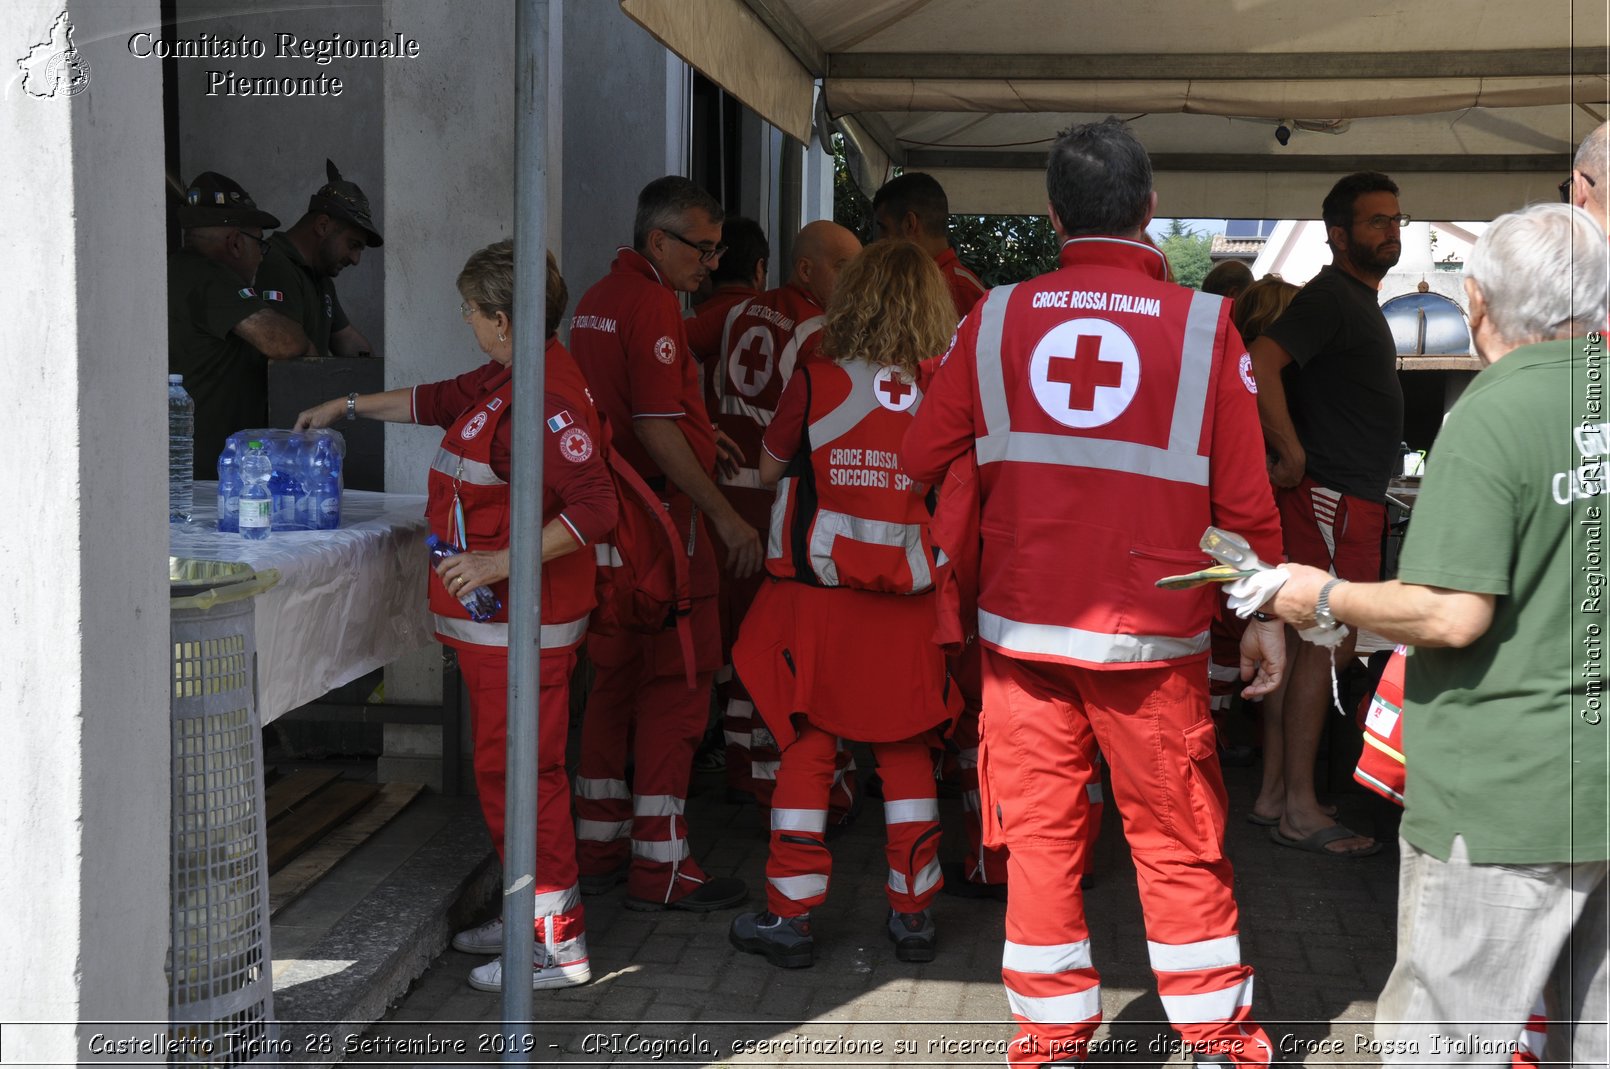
(1250, 594)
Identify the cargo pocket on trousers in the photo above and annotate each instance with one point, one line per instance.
(1205, 789)
(988, 810)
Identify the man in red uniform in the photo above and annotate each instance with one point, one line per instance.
(739, 275)
(1110, 426)
(627, 335)
(762, 340)
(914, 207)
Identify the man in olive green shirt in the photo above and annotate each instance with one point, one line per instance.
(299, 269)
(221, 335)
(1500, 591)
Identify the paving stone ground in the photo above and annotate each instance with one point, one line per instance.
(668, 989)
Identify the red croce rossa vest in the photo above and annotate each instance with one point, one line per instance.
(463, 467)
(762, 341)
(845, 514)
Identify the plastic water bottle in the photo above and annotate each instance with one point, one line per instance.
(323, 488)
(285, 487)
(181, 451)
(229, 486)
(255, 500)
(481, 602)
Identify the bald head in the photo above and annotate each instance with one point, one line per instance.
(820, 252)
(1590, 174)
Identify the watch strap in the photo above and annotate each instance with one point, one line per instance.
(352, 405)
(1322, 614)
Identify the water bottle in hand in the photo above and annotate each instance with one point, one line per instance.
(181, 450)
(481, 602)
(229, 487)
(255, 499)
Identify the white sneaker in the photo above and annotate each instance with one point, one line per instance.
(487, 939)
(545, 973)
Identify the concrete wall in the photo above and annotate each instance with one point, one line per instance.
(83, 697)
(276, 146)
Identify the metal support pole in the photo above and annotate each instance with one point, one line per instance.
(525, 528)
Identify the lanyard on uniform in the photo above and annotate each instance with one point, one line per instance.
(457, 533)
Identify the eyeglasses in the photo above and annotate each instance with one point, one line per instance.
(466, 309)
(708, 254)
(1381, 222)
(1565, 186)
(262, 243)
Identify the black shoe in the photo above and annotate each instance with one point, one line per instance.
(722, 892)
(604, 881)
(785, 941)
(913, 935)
(957, 883)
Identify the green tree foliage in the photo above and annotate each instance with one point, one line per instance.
(1188, 253)
(999, 249)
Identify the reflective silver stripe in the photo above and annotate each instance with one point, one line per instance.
(601, 789)
(603, 831)
(1224, 672)
(860, 403)
(1185, 957)
(606, 555)
(740, 708)
(1102, 453)
(550, 902)
(764, 769)
(796, 341)
(479, 634)
(799, 888)
(799, 820)
(745, 477)
(1196, 367)
(926, 879)
(987, 356)
(558, 636)
(1209, 1006)
(667, 851)
(1093, 647)
(465, 471)
(1093, 794)
(910, 811)
(779, 513)
(828, 526)
(1046, 960)
(1057, 1009)
(657, 805)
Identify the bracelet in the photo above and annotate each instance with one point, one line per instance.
(1261, 616)
(352, 405)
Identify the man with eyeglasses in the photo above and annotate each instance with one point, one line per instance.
(300, 264)
(629, 337)
(221, 333)
(1332, 414)
(1586, 187)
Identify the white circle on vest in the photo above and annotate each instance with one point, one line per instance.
(473, 427)
(894, 389)
(1085, 372)
(752, 361)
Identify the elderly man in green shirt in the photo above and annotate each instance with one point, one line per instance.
(1502, 889)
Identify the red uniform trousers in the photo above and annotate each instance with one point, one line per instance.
(799, 865)
(640, 699)
(981, 863)
(1042, 725)
(560, 924)
(752, 757)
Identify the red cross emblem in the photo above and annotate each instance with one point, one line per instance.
(1095, 384)
(893, 390)
(751, 366)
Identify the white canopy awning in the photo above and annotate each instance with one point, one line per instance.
(1474, 108)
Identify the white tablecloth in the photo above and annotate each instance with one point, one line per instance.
(348, 601)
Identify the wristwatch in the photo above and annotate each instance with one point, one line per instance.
(352, 405)
(1322, 614)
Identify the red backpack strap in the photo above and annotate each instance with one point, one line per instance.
(628, 477)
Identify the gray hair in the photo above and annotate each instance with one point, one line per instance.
(1542, 272)
(1594, 153)
(664, 203)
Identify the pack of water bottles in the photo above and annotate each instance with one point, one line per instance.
(281, 481)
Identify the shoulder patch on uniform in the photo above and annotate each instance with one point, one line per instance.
(273, 295)
(473, 427)
(494, 404)
(1247, 378)
(560, 421)
(665, 350)
(246, 292)
(576, 445)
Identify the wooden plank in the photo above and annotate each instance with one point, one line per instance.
(309, 821)
(287, 884)
(287, 791)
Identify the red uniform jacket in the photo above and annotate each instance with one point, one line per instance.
(470, 475)
(761, 344)
(1113, 418)
(965, 288)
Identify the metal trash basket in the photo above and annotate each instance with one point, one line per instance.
(219, 966)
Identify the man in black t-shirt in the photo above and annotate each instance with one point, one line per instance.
(1332, 413)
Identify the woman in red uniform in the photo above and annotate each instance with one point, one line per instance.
(839, 642)
(469, 507)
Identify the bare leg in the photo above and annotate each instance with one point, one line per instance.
(1305, 703)
(1271, 800)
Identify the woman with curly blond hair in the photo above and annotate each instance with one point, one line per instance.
(838, 642)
